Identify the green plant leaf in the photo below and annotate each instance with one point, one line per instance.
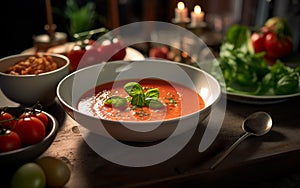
(116, 101)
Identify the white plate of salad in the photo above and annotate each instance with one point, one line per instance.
(248, 78)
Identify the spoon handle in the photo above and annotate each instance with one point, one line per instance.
(229, 150)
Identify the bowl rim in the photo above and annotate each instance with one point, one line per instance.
(51, 134)
(65, 65)
(206, 107)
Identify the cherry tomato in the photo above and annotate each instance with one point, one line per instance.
(89, 53)
(9, 140)
(77, 53)
(75, 56)
(38, 114)
(31, 130)
(258, 39)
(112, 50)
(159, 52)
(57, 172)
(277, 47)
(29, 175)
(4, 120)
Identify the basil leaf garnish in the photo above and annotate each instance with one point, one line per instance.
(152, 93)
(154, 103)
(116, 101)
(135, 90)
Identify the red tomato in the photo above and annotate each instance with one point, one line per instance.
(258, 40)
(7, 120)
(40, 115)
(88, 53)
(112, 50)
(277, 47)
(77, 52)
(43, 117)
(31, 130)
(9, 140)
(159, 52)
(75, 56)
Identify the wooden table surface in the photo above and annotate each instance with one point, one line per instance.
(255, 159)
(276, 153)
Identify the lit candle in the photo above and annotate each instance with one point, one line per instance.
(197, 16)
(181, 12)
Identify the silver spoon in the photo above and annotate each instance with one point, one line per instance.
(258, 124)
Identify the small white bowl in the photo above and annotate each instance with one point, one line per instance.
(29, 89)
(73, 86)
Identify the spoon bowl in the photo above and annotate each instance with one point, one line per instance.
(257, 124)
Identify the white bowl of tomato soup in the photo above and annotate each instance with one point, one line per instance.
(139, 101)
(28, 79)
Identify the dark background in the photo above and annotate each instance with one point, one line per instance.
(22, 19)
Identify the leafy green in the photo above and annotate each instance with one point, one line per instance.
(239, 37)
(152, 100)
(116, 101)
(81, 18)
(152, 93)
(137, 97)
(286, 79)
(247, 72)
(154, 103)
(135, 90)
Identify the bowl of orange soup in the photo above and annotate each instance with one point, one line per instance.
(139, 101)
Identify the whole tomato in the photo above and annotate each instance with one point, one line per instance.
(274, 38)
(7, 120)
(258, 39)
(29, 175)
(91, 52)
(31, 130)
(9, 140)
(57, 171)
(159, 52)
(277, 46)
(75, 56)
(77, 52)
(111, 50)
(38, 114)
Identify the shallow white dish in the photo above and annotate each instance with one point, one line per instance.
(254, 99)
(73, 86)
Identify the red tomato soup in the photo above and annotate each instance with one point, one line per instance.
(178, 100)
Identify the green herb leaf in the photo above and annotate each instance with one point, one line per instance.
(239, 36)
(135, 90)
(154, 103)
(287, 84)
(138, 100)
(152, 93)
(116, 101)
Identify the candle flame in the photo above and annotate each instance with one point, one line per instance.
(180, 6)
(197, 9)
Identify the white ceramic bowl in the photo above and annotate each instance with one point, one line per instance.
(73, 86)
(28, 89)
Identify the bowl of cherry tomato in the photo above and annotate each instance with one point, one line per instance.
(25, 133)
